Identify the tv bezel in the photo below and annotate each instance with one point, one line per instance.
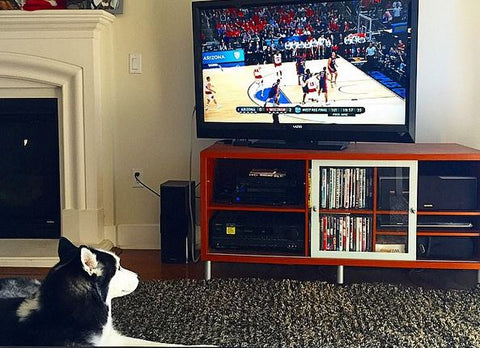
(293, 132)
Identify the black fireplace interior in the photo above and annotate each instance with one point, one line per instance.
(30, 169)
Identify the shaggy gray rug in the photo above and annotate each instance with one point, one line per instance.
(289, 313)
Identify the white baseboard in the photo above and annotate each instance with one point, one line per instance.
(35, 252)
(28, 252)
(138, 236)
(44, 262)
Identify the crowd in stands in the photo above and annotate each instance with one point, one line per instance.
(283, 28)
(313, 30)
(392, 59)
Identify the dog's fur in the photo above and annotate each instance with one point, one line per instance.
(72, 306)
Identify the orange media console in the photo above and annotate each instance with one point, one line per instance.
(356, 207)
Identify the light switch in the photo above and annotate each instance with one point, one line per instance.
(135, 60)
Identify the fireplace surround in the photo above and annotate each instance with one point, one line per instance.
(67, 54)
(30, 182)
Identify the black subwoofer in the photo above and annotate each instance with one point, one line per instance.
(176, 232)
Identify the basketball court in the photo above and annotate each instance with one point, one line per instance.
(354, 88)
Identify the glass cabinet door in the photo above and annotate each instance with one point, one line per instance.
(363, 209)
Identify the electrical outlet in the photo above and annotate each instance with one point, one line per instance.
(140, 176)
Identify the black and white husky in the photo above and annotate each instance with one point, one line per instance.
(72, 306)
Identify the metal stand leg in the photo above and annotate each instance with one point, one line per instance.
(340, 274)
(208, 270)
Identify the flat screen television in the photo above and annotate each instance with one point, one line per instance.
(303, 72)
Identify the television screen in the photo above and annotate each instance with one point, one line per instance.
(306, 70)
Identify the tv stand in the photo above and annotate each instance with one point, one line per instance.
(301, 145)
(338, 193)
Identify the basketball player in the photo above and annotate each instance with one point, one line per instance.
(312, 88)
(277, 63)
(305, 78)
(300, 66)
(257, 73)
(210, 93)
(322, 84)
(332, 68)
(273, 93)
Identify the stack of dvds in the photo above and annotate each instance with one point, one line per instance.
(346, 233)
(346, 188)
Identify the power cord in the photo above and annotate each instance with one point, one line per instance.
(195, 259)
(136, 175)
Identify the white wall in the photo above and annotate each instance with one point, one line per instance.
(154, 109)
(447, 98)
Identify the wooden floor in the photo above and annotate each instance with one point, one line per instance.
(148, 265)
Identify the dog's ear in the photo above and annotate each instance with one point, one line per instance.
(89, 261)
(66, 250)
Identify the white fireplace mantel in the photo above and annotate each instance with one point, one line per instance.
(68, 53)
(54, 24)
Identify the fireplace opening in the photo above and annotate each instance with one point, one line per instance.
(30, 168)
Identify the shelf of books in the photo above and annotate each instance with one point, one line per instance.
(363, 209)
